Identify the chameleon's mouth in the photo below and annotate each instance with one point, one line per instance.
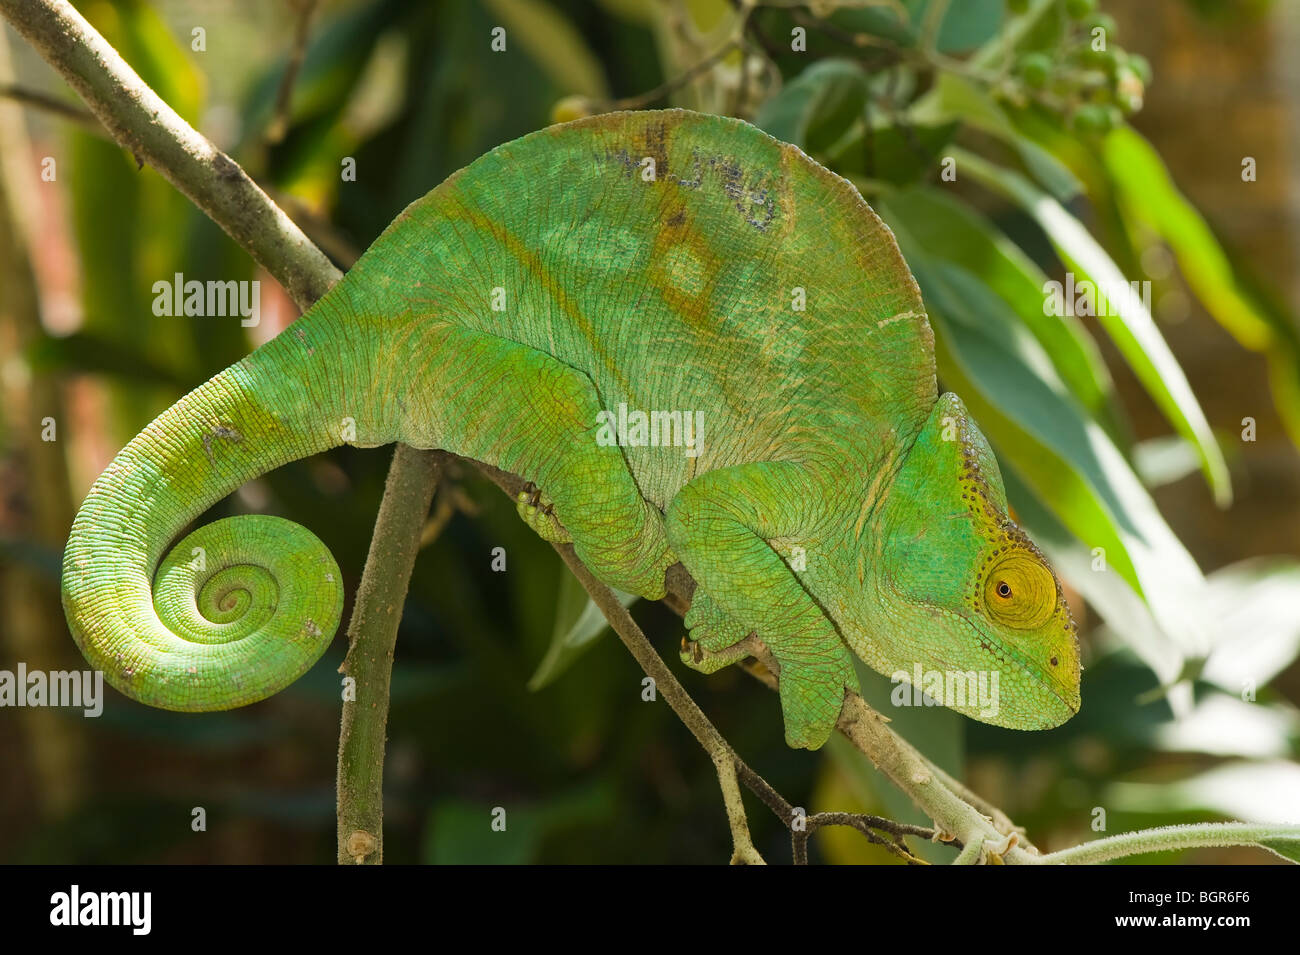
(1063, 693)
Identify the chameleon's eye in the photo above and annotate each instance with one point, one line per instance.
(1019, 592)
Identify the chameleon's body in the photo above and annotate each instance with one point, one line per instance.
(557, 277)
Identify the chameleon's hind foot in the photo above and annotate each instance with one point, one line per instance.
(715, 641)
(538, 512)
(695, 656)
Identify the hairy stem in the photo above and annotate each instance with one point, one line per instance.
(1199, 835)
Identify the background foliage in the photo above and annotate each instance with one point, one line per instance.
(505, 691)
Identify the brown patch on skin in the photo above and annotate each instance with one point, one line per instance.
(225, 432)
(785, 195)
(636, 143)
(675, 238)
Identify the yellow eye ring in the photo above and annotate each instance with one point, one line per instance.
(1019, 592)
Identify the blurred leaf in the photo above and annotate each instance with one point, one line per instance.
(965, 25)
(880, 20)
(337, 52)
(1223, 280)
(1249, 790)
(1164, 460)
(554, 45)
(460, 832)
(1225, 725)
(47, 561)
(957, 99)
(949, 229)
(815, 110)
(1132, 329)
(890, 153)
(1255, 609)
(578, 622)
(1148, 196)
(99, 353)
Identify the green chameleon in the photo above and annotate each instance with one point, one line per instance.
(686, 267)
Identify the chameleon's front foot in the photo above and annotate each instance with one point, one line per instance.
(538, 512)
(811, 684)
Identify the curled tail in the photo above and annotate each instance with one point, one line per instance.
(242, 607)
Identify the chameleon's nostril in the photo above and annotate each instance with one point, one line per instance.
(1053, 661)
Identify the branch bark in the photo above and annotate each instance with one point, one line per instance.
(372, 636)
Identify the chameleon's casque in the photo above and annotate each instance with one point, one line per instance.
(685, 267)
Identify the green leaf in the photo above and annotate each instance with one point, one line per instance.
(957, 99)
(578, 622)
(1286, 845)
(461, 832)
(1147, 195)
(965, 25)
(890, 153)
(1121, 312)
(818, 107)
(553, 43)
(949, 229)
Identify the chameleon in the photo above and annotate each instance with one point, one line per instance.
(833, 501)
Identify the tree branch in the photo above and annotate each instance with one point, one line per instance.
(372, 636)
(138, 119)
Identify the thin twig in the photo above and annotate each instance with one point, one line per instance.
(51, 104)
(284, 95)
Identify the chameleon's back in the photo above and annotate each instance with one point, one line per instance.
(683, 262)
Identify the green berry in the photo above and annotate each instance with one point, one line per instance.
(1034, 69)
(1141, 66)
(1095, 118)
(1078, 9)
(1103, 20)
(1106, 60)
(1129, 89)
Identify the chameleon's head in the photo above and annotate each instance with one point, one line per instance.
(965, 589)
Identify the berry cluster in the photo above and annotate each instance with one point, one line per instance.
(1087, 77)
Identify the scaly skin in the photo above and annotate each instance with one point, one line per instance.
(820, 429)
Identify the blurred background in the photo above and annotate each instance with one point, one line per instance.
(1159, 439)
